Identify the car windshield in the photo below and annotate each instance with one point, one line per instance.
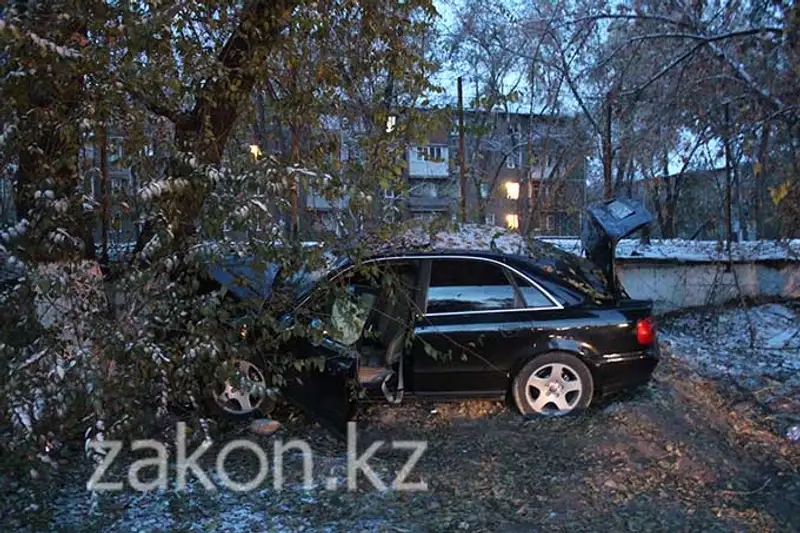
(304, 279)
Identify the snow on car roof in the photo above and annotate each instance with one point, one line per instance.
(472, 237)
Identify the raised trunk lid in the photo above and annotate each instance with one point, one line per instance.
(605, 224)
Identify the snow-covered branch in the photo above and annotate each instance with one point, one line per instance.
(8, 131)
(45, 44)
(157, 188)
(740, 71)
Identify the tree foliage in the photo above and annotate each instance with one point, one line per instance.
(182, 83)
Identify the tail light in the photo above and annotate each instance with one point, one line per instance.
(646, 331)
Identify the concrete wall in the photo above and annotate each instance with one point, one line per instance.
(676, 285)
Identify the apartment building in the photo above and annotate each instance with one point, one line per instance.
(523, 171)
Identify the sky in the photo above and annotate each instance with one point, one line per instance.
(446, 78)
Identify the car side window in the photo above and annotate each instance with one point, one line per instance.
(344, 306)
(531, 294)
(372, 305)
(459, 285)
(348, 315)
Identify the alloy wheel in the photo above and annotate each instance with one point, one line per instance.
(553, 389)
(245, 392)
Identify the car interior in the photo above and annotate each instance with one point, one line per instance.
(387, 328)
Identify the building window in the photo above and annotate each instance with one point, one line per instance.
(391, 122)
(514, 160)
(426, 190)
(512, 190)
(121, 182)
(115, 151)
(512, 221)
(429, 153)
(455, 127)
(484, 188)
(550, 222)
(490, 219)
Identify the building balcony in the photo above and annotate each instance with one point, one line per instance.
(427, 203)
(317, 202)
(431, 161)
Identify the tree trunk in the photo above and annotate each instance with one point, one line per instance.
(658, 207)
(607, 153)
(204, 131)
(619, 180)
(104, 219)
(728, 180)
(759, 175)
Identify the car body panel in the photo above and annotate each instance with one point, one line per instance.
(245, 277)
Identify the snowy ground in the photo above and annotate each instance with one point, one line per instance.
(757, 348)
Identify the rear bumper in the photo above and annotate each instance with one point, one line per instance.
(614, 373)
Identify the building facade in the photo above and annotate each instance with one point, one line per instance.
(522, 171)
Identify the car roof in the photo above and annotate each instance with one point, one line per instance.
(561, 270)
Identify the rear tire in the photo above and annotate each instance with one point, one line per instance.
(553, 384)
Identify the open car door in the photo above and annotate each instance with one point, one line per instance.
(605, 224)
(324, 385)
(324, 382)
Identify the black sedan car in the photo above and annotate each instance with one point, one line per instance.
(547, 329)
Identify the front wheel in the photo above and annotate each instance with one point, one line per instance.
(553, 384)
(240, 390)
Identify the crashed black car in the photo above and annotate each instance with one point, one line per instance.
(547, 329)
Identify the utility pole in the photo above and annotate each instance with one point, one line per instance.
(104, 205)
(728, 179)
(608, 192)
(461, 159)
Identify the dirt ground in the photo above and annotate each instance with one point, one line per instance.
(686, 453)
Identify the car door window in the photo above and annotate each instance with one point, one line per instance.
(343, 306)
(463, 285)
(349, 314)
(371, 306)
(532, 295)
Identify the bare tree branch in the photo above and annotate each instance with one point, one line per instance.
(156, 107)
(677, 61)
(740, 70)
(706, 38)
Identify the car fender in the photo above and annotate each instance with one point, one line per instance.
(583, 350)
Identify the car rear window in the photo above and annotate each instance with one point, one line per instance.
(531, 294)
(569, 269)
